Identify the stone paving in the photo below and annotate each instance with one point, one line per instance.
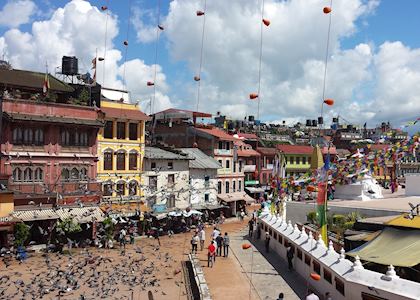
(270, 274)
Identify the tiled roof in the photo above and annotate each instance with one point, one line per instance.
(248, 153)
(295, 149)
(128, 114)
(267, 151)
(201, 160)
(176, 110)
(218, 133)
(248, 136)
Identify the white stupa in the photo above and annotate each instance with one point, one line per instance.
(363, 189)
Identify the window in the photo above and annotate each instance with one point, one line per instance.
(83, 139)
(171, 201)
(170, 165)
(121, 188)
(304, 160)
(206, 181)
(65, 137)
(65, 174)
(27, 136)
(153, 165)
(121, 160)
(109, 130)
(234, 186)
(39, 174)
(339, 286)
(299, 253)
(227, 164)
(121, 130)
(221, 162)
(327, 275)
(132, 188)
(317, 267)
(39, 137)
(132, 134)
(270, 231)
(297, 160)
(171, 179)
(153, 183)
(74, 174)
(307, 260)
(275, 235)
(227, 187)
(17, 175)
(27, 174)
(132, 160)
(17, 136)
(234, 166)
(292, 160)
(366, 296)
(280, 239)
(219, 187)
(239, 186)
(206, 197)
(108, 157)
(74, 137)
(83, 174)
(240, 166)
(220, 145)
(227, 145)
(309, 160)
(107, 189)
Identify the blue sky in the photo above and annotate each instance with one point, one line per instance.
(374, 45)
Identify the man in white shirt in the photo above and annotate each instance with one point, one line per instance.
(202, 235)
(215, 233)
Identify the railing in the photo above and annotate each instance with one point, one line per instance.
(199, 278)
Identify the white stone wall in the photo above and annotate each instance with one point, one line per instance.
(355, 278)
(412, 184)
(199, 189)
(181, 188)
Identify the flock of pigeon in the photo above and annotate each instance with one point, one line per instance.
(96, 273)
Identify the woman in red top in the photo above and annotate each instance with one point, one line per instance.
(211, 254)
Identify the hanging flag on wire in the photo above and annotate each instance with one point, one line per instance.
(94, 68)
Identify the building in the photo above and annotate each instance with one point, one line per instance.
(203, 178)
(297, 157)
(266, 164)
(6, 219)
(167, 179)
(121, 145)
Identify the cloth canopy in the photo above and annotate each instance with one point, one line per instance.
(255, 190)
(392, 247)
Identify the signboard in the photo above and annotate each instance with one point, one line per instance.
(251, 182)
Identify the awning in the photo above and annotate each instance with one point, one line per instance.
(81, 214)
(253, 190)
(236, 197)
(392, 247)
(36, 215)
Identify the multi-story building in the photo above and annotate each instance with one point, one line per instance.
(121, 151)
(297, 157)
(203, 178)
(166, 176)
(266, 164)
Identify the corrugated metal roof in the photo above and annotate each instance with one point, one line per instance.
(201, 160)
(158, 153)
(36, 214)
(81, 214)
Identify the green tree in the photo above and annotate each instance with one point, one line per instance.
(311, 217)
(21, 233)
(68, 226)
(109, 228)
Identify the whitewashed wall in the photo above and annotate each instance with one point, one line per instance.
(198, 188)
(355, 278)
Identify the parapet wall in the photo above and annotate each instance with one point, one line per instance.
(339, 276)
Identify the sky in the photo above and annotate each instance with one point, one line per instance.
(373, 70)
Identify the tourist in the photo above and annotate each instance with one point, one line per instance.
(194, 243)
(156, 235)
(267, 242)
(215, 248)
(202, 235)
(226, 242)
(251, 227)
(311, 296)
(211, 255)
(281, 296)
(242, 215)
(215, 233)
(219, 241)
(290, 255)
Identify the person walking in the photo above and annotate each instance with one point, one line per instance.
(211, 255)
(194, 243)
(267, 242)
(226, 242)
(281, 297)
(202, 236)
(219, 241)
(290, 256)
(251, 227)
(242, 215)
(215, 233)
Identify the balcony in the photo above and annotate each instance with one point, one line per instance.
(222, 152)
(64, 188)
(249, 168)
(224, 171)
(269, 167)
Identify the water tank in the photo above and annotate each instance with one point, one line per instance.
(308, 123)
(314, 123)
(335, 120)
(251, 118)
(69, 65)
(320, 120)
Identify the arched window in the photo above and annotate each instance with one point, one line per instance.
(83, 174)
(39, 174)
(27, 136)
(27, 174)
(132, 160)
(132, 188)
(74, 175)
(107, 189)
(65, 174)
(227, 187)
(121, 188)
(39, 137)
(120, 160)
(17, 175)
(108, 160)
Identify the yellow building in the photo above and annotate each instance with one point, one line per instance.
(121, 151)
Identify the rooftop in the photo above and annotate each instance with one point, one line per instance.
(248, 136)
(267, 151)
(174, 113)
(128, 114)
(158, 153)
(218, 133)
(201, 160)
(295, 149)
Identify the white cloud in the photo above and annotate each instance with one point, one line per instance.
(145, 32)
(71, 31)
(15, 13)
